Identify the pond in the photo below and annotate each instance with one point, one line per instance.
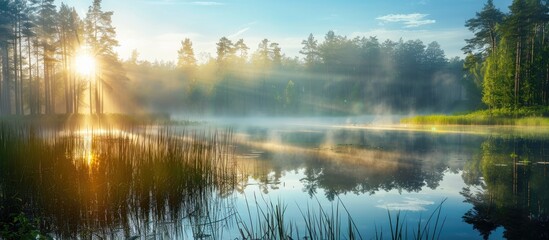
(266, 178)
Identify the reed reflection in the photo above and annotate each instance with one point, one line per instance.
(114, 184)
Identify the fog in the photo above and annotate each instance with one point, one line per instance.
(336, 76)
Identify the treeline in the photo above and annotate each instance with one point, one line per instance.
(338, 75)
(508, 57)
(39, 44)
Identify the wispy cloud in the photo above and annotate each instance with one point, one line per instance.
(409, 204)
(409, 20)
(176, 2)
(200, 3)
(239, 32)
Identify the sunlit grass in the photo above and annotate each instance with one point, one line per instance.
(269, 220)
(91, 182)
(147, 181)
(504, 116)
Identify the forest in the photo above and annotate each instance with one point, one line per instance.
(506, 65)
(508, 57)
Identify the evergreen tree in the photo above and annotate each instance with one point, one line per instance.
(101, 38)
(6, 35)
(262, 53)
(484, 26)
(276, 53)
(225, 51)
(241, 50)
(310, 50)
(186, 57)
(47, 37)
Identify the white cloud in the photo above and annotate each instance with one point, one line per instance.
(207, 3)
(409, 20)
(239, 32)
(409, 204)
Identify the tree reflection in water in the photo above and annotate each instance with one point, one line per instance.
(510, 188)
(167, 183)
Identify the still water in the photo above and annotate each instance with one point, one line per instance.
(201, 183)
(493, 180)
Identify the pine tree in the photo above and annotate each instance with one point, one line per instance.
(225, 52)
(6, 34)
(186, 57)
(484, 25)
(310, 50)
(46, 30)
(241, 50)
(276, 53)
(101, 38)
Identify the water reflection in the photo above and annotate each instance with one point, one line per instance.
(343, 161)
(508, 188)
(506, 173)
(115, 184)
(176, 183)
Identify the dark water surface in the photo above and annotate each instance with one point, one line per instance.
(201, 183)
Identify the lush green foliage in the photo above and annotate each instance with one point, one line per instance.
(533, 116)
(510, 54)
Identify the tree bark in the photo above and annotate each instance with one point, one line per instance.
(6, 94)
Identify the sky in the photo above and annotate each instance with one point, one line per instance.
(155, 28)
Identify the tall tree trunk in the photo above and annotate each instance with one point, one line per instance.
(517, 72)
(29, 84)
(96, 95)
(52, 87)
(37, 104)
(91, 97)
(68, 108)
(6, 96)
(16, 76)
(21, 73)
(46, 86)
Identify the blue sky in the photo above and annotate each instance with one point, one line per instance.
(156, 27)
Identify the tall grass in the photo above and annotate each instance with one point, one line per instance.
(431, 228)
(149, 182)
(85, 183)
(269, 221)
(504, 116)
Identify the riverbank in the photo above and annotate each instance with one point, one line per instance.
(504, 116)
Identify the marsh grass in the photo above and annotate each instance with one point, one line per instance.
(150, 182)
(109, 183)
(503, 116)
(430, 228)
(269, 221)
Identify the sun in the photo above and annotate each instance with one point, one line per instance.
(85, 64)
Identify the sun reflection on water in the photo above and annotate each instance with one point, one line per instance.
(85, 152)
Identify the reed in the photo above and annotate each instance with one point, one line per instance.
(112, 182)
(271, 222)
